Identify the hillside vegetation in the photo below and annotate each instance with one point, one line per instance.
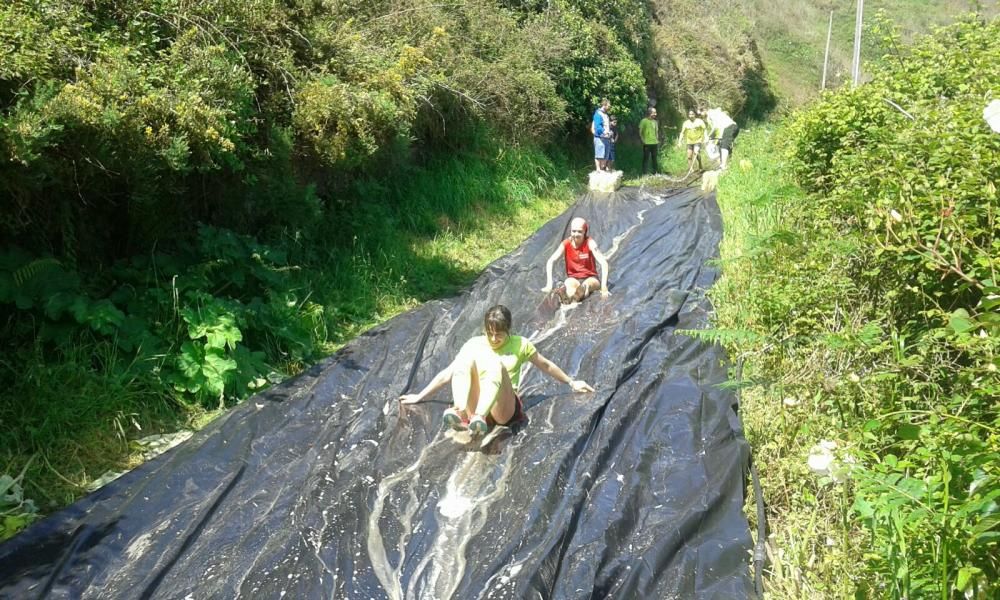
(792, 37)
(198, 199)
(861, 294)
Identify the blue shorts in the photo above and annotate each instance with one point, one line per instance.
(611, 150)
(600, 148)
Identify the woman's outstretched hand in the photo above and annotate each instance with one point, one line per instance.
(409, 398)
(580, 386)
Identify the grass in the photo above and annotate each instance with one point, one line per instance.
(672, 160)
(81, 413)
(812, 549)
(68, 416)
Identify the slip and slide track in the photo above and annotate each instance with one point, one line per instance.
(325, 487)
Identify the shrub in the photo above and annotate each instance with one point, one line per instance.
(903, 163)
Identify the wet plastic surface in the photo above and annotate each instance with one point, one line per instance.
(325, 487)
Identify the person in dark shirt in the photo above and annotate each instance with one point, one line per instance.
(612, 142)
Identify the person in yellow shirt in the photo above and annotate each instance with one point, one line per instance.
(485, 376)
(693, 134)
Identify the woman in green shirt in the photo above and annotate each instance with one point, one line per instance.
(693, 134)
(485, 375)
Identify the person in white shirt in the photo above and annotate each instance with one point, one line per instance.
(723, 128)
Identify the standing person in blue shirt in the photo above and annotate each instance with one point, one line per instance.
(600, 126)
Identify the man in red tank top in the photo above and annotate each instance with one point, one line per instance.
(582, 257)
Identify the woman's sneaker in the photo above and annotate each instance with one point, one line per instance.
(454, 419)
(478, 425)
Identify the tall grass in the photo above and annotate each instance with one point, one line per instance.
(811, 547)
(871, 455)
(671, 160)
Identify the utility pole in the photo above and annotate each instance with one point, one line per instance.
(826, 56)
(856, 68)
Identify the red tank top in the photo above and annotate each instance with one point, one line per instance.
(580, 262)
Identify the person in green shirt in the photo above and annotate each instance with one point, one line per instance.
(485, 376)
(649, 133)
(692, 134)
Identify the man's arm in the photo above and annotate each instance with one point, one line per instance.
(552, 370)
(548, 267)
(712, 133)
(603, 261)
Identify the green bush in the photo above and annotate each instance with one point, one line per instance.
(876, 295)
(706, 55)
(598, 65)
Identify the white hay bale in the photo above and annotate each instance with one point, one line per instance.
(709, 179)
(603, 181)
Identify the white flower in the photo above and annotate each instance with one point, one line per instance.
(992, 115)
(820, 463)
(821, 458)
(895, 215)
(789, 402)
(824, 463)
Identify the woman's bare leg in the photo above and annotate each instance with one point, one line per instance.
(464, 386)
(505, 406)
(484, 390)
(586, 288)
(572, 284)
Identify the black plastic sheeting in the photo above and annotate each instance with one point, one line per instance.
(324, 487)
